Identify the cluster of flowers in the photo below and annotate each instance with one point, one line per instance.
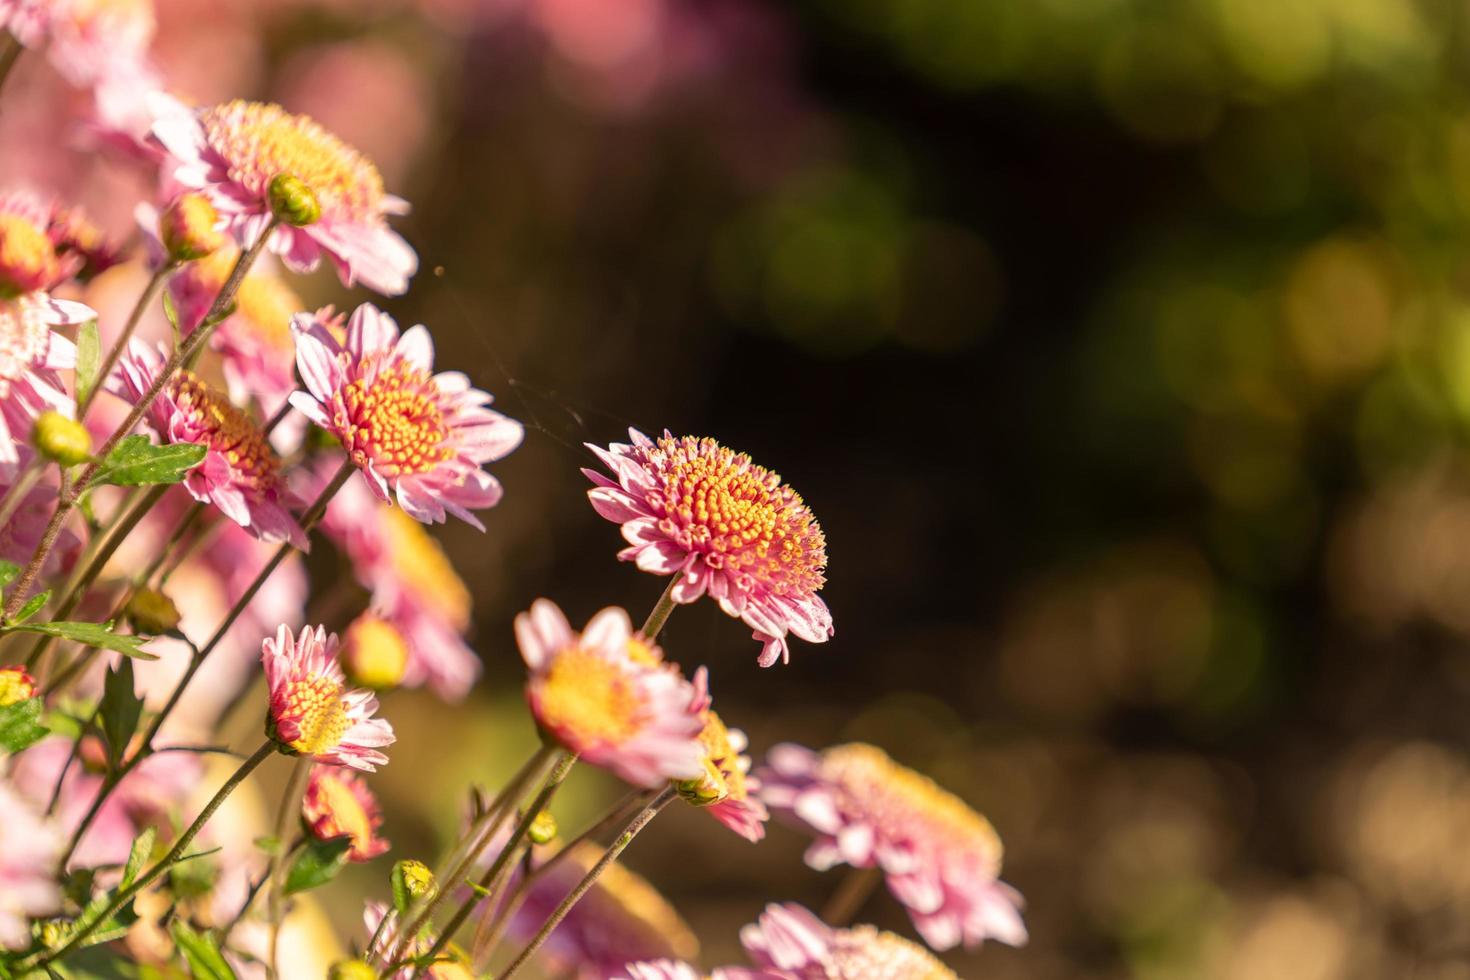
(341, 424)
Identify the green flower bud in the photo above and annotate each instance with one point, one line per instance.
(543, 828)
(152, 612)
(293, 202)
(189, 228)
(351, 970)
(410, 881)
(61, 439)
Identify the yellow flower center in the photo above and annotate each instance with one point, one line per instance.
(419, 560)
(346, 813)
(321, 715)
(228, 431)
(27, 257)
(395, 422)
(260, 140)
(591, 696)
(15, 686)
(865, 952)
(374, 652)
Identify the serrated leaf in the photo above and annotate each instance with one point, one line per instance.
(136, 462)
(89, 359)
(203, 955)
(90, 634)
(142, 848)
(317, 864)
(33, 605)
(119, 711)
(20, 725)
(8, 572)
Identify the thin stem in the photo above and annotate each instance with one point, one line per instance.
(490, 880)
(183, 353)
(589, 879)
(125, 895)
(10, 49)
(145, 300)
(661, 610)
(848, 900)
(290, 802)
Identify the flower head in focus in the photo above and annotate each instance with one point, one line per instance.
(725, 789)
(607, 696)
(793, 941)
(725, 526)
(941, 859)
(29, 848)
(312, 713)
(338, 802)
(240, 473)
(418, 438)
(241, 153)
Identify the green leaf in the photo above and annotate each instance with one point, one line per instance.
(205, 960)
(119, 709)
(219, 317)
(136, 462)
(89, 359)
(89, 634)
(270, 845)
(317, 864)
(142, 847)
(171, 312)
(20, 725)
(8, 572)
(33, 605)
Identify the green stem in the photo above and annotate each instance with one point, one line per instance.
(150, 293)
(589, 879)
(654, 624)
(290, 802)
(125, 895)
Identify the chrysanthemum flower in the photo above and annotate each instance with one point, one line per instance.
(31, 847)
(16, 685)
(725, 526)
(941, 859)
(82, 249)
(792, 940)
(607, 696)
(240, 473)
(622, 919)
(417, 437)
(233, 152)
(338, 802)
(28, 260)
(312, 712)
(725, 789)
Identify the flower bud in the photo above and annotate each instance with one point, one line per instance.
(293, 202)
(189, 228)
(374, 653)
(706, 790)
(61, 439)
(351, 970)
(16, 685)
(543, 828)
(152, 612)
(27, 258)
(410, 882)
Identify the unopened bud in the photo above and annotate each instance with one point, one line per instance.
(189, 228)
(543, 828)
(374, 653)
(61, 439)
(16, 685)
(706, 790)
(351, 970)
(27, 257)
(293, 202)
(152, 612)
(410, 882)
(53, 932)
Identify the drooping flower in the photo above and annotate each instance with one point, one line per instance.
(417, 437)
(607, 696)
(235, 151)
(725, 526)
(622, 919)
(30, 846)
(338, 802)
(941, 859)
(725, 789)
(240, 473)
(792, 940)
(31, 354)
(312, 712)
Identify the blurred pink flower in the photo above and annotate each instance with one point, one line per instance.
(233, 151)
(20, 535)
(792, 940)
(312, 713)
(607, 696)
(31, 354)
(676, 970)
(941, 859)
(240, 473)
(692, 508)
(338, 803)
(417, 437)
(32, 846)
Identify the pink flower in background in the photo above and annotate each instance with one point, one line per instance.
(725, 790)
(240, 474)
(30, 846)
(20, 535)
(27, 255)
(677, 970)
(234, 150)
(312, 712)
(418, 438)
(694, 509)
(104, 44)
(941, 859)
(337, 802)
(31, 354)
(28, 20)
(793, 941)
(607, 696)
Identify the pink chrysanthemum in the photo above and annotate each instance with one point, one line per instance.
(338, 803)
(240, 473)
(941, 859)
(30, 846)
(725, 789)
(417, 437)
(792, 940)
(31, 354)
(692, 508)
(607, 696)
(233, 151)
(28, 262)
(312, 712)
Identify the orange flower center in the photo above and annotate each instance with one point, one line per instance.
(590, 696)
(228, 431)
(27, 257)
(316, 705)
(395, 422)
